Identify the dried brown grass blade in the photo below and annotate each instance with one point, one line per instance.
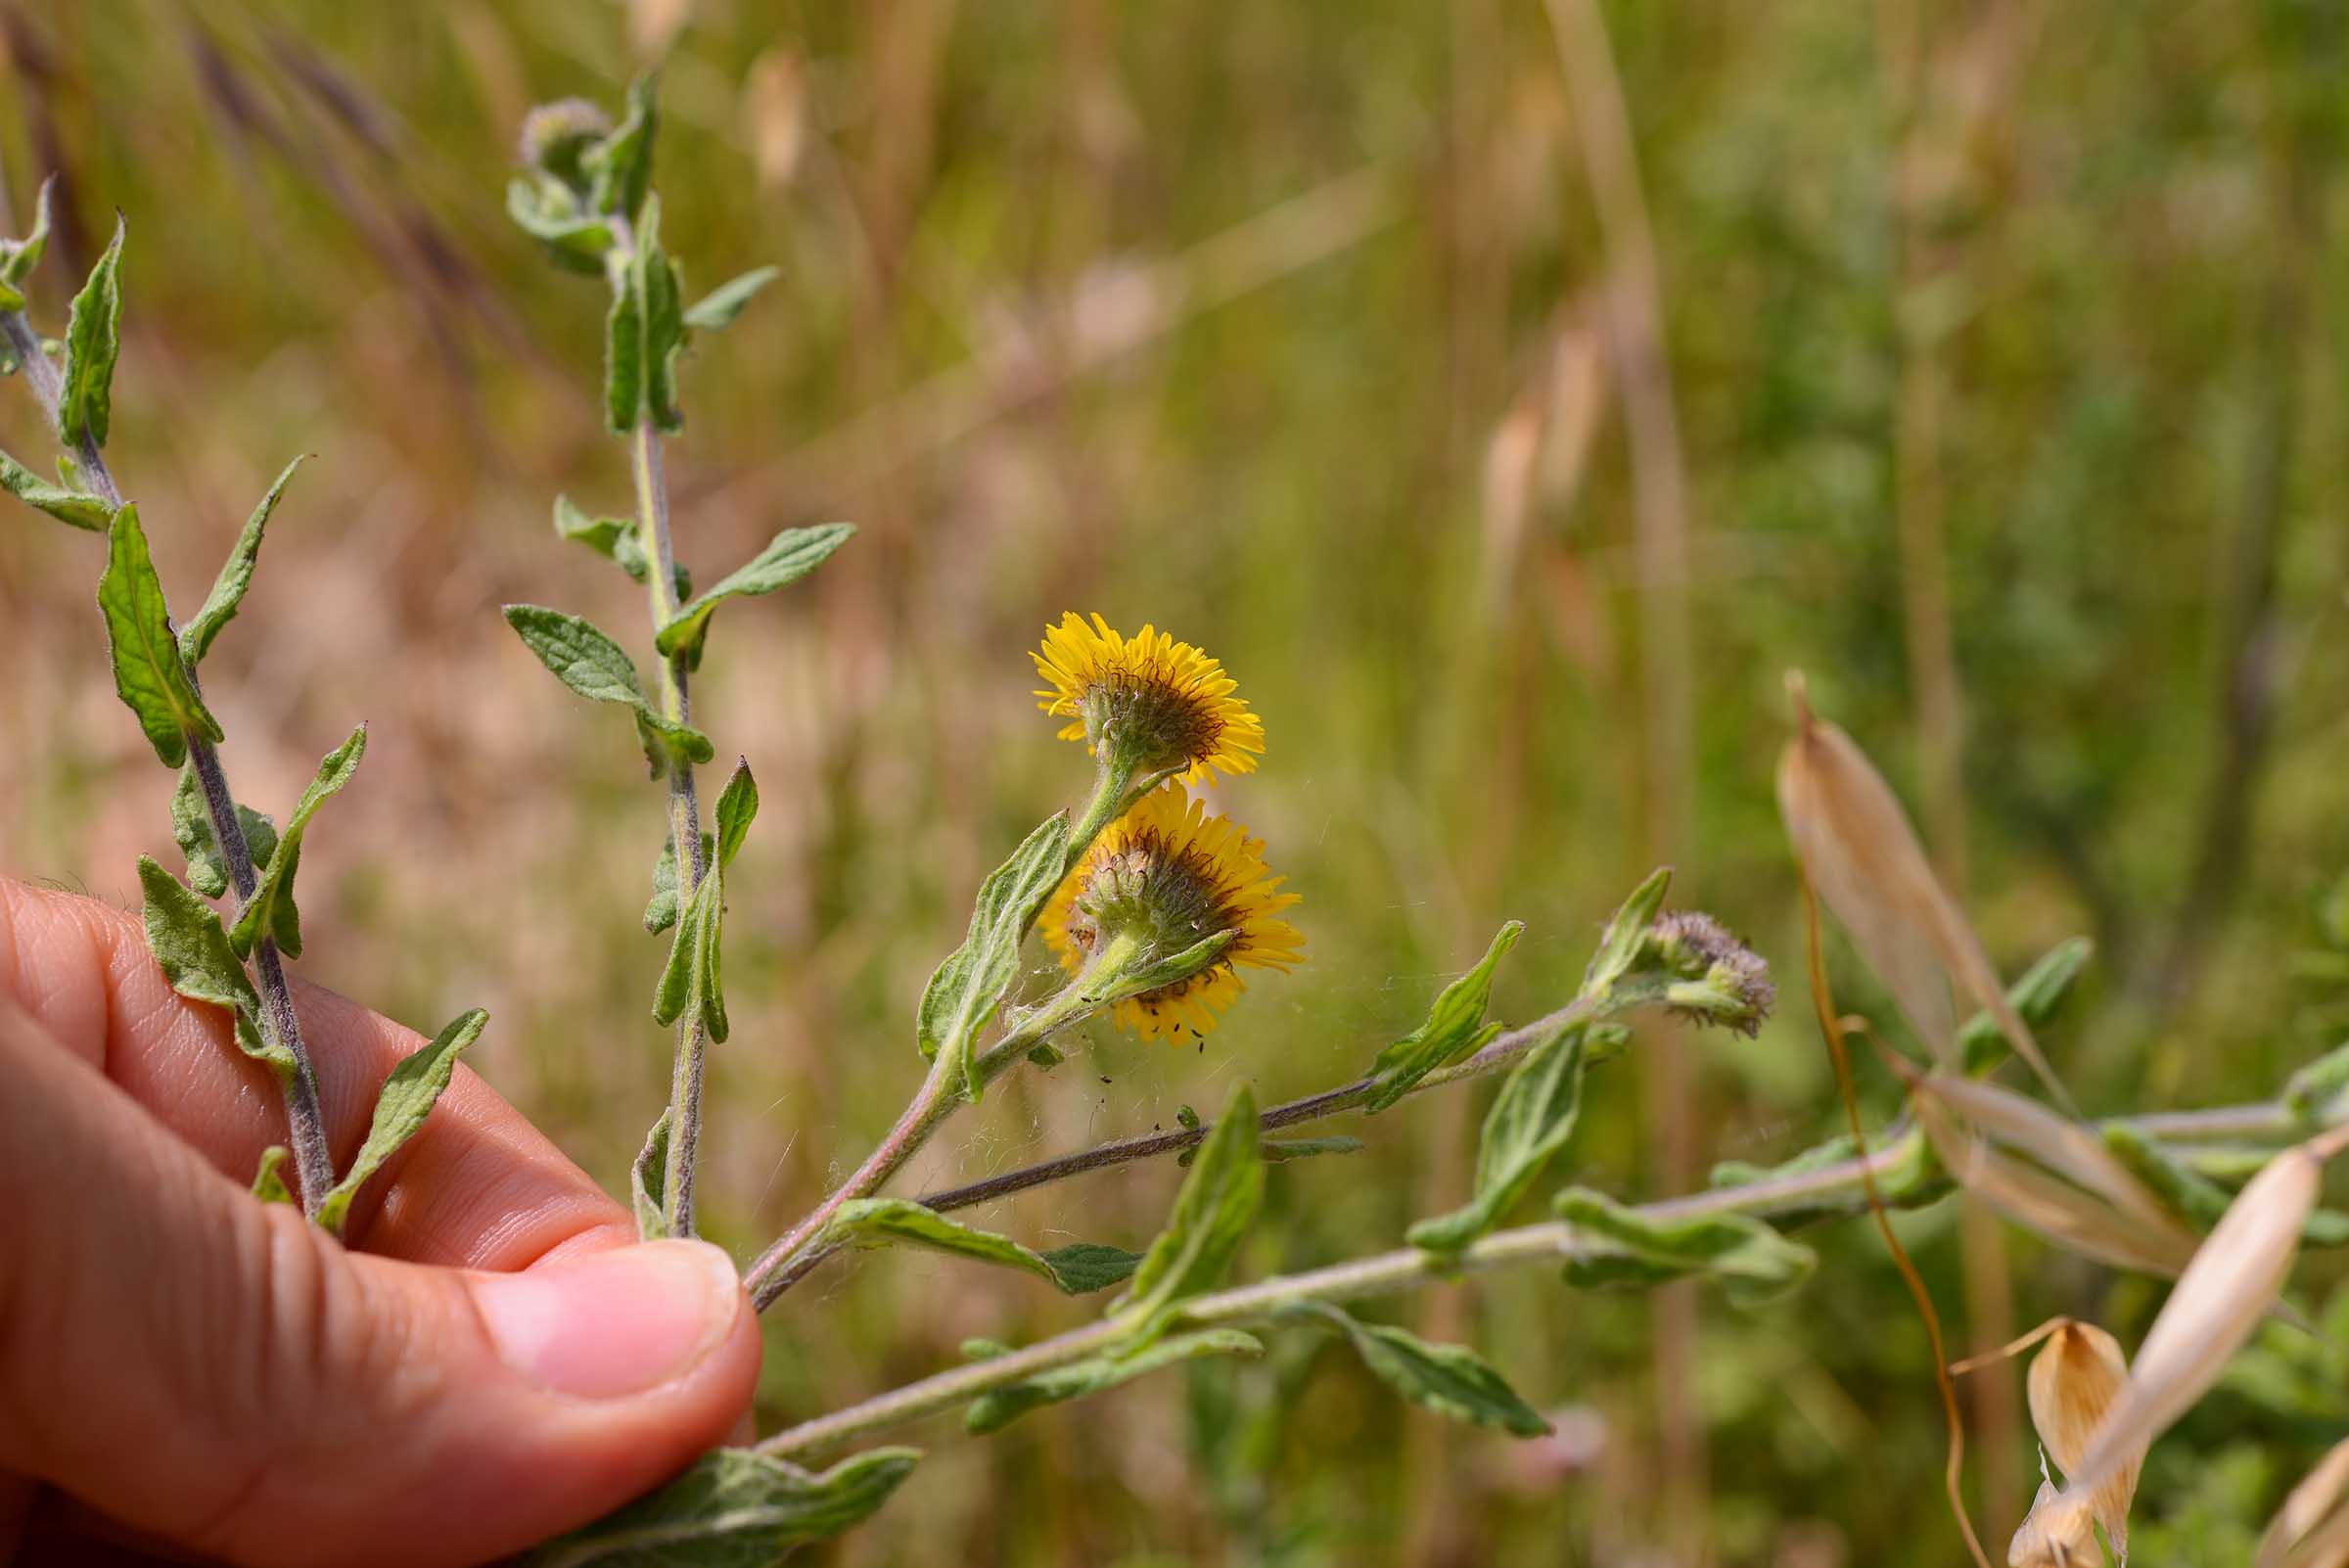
(2073, 1382)
(1859, 850)
(2293, 1539)
(2068, 1150)
(2220, 1297)
(2057, 1533)
(2024, 1193)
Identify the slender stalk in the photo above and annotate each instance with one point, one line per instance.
(1382, 1274)
(1843, 1183)
(280, 1025)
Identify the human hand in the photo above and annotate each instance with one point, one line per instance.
(185, 1370)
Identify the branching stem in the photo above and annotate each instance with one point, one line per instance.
(280, 1025)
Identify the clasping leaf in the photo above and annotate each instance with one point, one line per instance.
(1217, 1204)
(788, 556)
(1449, 1379)
(965, 989)
(67, 506)
(721, 306)
(1753, 1263)
(149, 673)
(1076, 1268)
(1532, 1119)
(598, 668)
(270, 912)
(408, 1096)
(1000, 1408)
(93, 339)
(1454, 1028)
(690, 983)
(236, 575)
(185, 934)
(735, 1508)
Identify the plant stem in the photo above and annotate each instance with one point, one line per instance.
(1844, 1181)
(1346, 1281)
(280, 1025)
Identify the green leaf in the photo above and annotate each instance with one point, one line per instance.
(965, 989)
(1753, 1263)
(1211, 1214)
(267, 1184)
(270, 912)
(187, 939)
(2036, 996)
(734, 1508)
(192, 830)
(998, 1408)
(577, 241)
(614, 539)
(1454, 1028)
(17, 257)
(721, 306)
(149, 674)
(1449, 1379)
(236, 575)
(660, 912)
(408, 1096)
(648, 1183)
(2307, 1092)
(663, 303)
(1531, 1121)
(1084, 1267)
(788, 556)
(598, 668)
(623, 357)
(1076, 1268)
(737, 805)
(690, 984)
(67, 506)
(1625, 933)
(92, 342)
(620, 168)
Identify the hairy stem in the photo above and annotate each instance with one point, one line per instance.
(280, 1025)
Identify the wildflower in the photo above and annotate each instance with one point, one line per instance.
(1161, 882)
(1717, 978)
(1147, 704)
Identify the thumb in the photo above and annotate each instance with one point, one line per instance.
(218, 1372)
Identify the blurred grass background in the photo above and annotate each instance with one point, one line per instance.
(1508, 394)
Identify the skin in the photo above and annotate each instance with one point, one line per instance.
(188, 1374)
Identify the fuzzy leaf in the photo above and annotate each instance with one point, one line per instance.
(270, 912)
(236, 575)
(1084, 1267)
(620, 168)
(624, 358)
(788, 556)
(1625, 933)
(1753, 1263)
(2317, 1086)
(1456, 1028)
(67, 506)
(267, 1184)
(149, 674)
(1211, 1214)
(576, 240)
(17, 257)
(598, 668)
(614, 538)
(186, 937)
(192, 830)
(721, 306)
(408, 1096)
(965, 989)
(690, 984)
(1531, 1121)
(998, 1408)
(1278, 1150)
(660, 912)
(662, 299)
(2036, 997)
(648, 1183)
(734, 1508)
(1449, 1379)
(93, 339)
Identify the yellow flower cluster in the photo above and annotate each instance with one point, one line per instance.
(1167, 870)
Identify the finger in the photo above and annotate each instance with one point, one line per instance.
(479, 1186)
(215, 1370)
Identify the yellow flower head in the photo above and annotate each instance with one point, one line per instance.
(1175, 876)
(1161, 703)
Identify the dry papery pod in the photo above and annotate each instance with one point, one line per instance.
(2230, 1286)
(2002, 1148)
(2074, 1380)
(2311, 1528)
(1859, 852)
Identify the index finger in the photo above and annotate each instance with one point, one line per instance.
(477, 1187)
